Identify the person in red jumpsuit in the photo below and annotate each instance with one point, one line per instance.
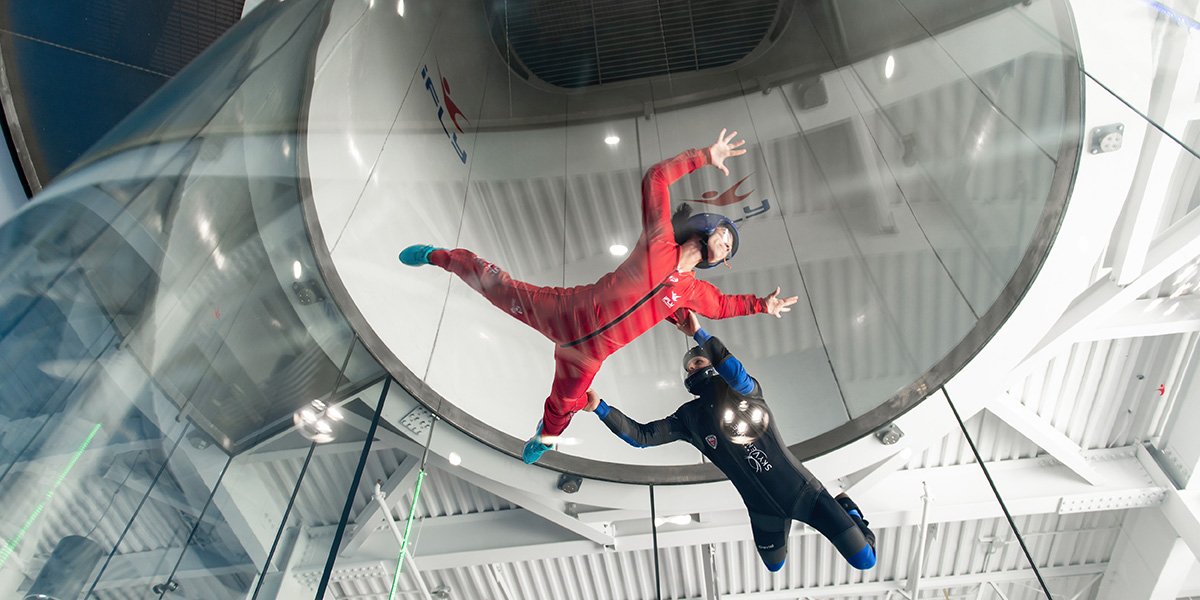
(656, 281)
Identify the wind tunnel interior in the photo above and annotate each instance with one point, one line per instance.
(895, 182)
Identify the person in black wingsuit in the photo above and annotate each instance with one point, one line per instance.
(730, 423)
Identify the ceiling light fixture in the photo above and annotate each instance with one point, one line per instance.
(618, 250)
(889, 67)
(612, 140)
(297, 270)
(315, 421)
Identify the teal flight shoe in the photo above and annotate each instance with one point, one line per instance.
(417, 255)
(534, 448)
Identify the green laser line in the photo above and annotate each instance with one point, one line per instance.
(412, 511)
(12, 544)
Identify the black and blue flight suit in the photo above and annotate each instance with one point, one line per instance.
(774, 485)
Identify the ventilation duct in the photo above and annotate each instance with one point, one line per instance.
(581, 43)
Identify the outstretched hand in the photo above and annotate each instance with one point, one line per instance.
(723, 149)
(593, 401)
(776, 306)
(689, 325)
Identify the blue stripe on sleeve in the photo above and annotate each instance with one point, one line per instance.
(735, 375)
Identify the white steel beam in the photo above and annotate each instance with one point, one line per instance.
(120, 473)
(917, 566)
(370, 518)
(708, 554)
(55, 460)
(1031, 486)
(996, 589)
(1149, 317)
(1153, 180)
(865, 479)
(1149, 561)
(292, 451)
(502, 582)
(1038, 431)
(1087, 586)
(549, 509)
(1168, 253)
(896, 585)
(145, 568)
(1148, 194)
(468, 540)
(1179, 445)
(250, 507)
(1181, 508)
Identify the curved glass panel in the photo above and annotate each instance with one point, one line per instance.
(900, 183)
(161, 313)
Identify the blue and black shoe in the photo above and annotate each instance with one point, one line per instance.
(417, 255)
(534, 448)
(857, 516)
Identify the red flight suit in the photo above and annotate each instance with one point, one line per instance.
(589, 322)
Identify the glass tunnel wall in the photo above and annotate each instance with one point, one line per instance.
(905, 205)
(163, 313)
(160, 314)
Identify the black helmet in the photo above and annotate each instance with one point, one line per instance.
(705, 224)
(693, 352)
(695, 382)
(742, 419)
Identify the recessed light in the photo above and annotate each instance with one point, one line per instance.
(674, 520)
(612, 140)
(618, 250)
(889, 67)
(297, 270)
(454, 459)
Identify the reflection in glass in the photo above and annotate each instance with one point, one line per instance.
(160, 312)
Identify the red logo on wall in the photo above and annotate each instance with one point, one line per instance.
(731, 196)
(725, 198)
(443, 103)
(455, 111)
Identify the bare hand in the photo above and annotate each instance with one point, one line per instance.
(723, 149)
(689, 255)
(776, 306)
(690, 325)
(593, 401)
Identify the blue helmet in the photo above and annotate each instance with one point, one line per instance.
(704, 224)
